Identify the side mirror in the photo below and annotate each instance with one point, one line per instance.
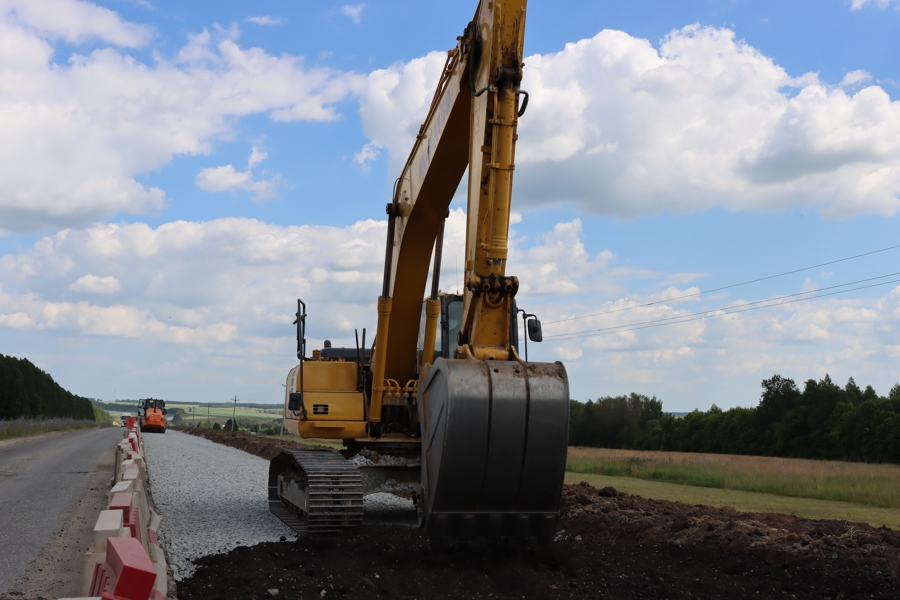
(534, 330)
(295, 400)
(165, 412)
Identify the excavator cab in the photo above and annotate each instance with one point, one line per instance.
(446, 339)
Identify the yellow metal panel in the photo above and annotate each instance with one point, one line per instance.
(325, 376)
(341, 430)
(333, 406)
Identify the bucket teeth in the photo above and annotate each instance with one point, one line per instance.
(330, 491)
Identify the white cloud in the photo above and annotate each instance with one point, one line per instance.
(365, 156)
(227, 280)
(618, 127)
(71, 20)
(265, 20)
(220, 296)
(257, 155)
(17, 320)
(858, 4)
(145, 4)
(353, 11)
(394, 102)
(558, 264)
(222, 179)
(227, 179)
(77, 135)
(95, 285)
(854, 78)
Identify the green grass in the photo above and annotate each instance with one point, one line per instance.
(17, 428)
(856, 483)
(224, 413)
(745, 501)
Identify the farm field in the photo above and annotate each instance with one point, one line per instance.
(754, 502)
(222, 413)
(873, 485)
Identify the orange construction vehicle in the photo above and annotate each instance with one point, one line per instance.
(151, 415)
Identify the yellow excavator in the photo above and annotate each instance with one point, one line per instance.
(441, 402)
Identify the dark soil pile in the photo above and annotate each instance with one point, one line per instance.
(614, 545)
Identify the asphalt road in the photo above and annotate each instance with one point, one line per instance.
(41, 479)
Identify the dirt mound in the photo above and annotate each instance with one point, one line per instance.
(612, 545)
(266, 448)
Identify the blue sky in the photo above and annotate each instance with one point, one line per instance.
(178, 173)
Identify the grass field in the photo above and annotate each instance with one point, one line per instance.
(16, 428)
(746, 501)
(222, 414)
(856, 483)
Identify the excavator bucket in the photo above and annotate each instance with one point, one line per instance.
(494, 441)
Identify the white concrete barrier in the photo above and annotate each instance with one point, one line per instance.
(125, 560)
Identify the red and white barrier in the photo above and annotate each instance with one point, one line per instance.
(125, 561)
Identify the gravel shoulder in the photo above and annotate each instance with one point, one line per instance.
(211, 498)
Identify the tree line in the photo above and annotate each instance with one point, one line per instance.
(823, 421)
(28, 392)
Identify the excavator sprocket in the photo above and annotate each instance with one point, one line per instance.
(315, 491)
(494, 444)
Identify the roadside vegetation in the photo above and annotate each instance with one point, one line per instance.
(751, 502)
(824, 421)
(875, 485)
(28, 392)
(15, 428)
(31, 403)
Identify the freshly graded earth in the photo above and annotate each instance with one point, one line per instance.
(612, 545)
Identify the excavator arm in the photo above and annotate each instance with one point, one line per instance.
(493, 428)
(471, 124)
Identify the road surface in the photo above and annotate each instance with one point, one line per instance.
(52, 488)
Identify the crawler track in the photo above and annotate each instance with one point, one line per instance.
(315, 491)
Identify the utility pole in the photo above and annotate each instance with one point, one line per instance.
(232, 413)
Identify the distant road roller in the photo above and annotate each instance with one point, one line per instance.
(152, 415)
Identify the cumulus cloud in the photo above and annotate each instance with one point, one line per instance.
(78, 134)
(616, 126)
(228, 279)
(353, 11)
(222, 294)
(854, 78)
(95, 285)
(73, 21)
(394, 102)
(227, 179)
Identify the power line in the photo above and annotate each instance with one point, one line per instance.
(739, 308)
(726, 287)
